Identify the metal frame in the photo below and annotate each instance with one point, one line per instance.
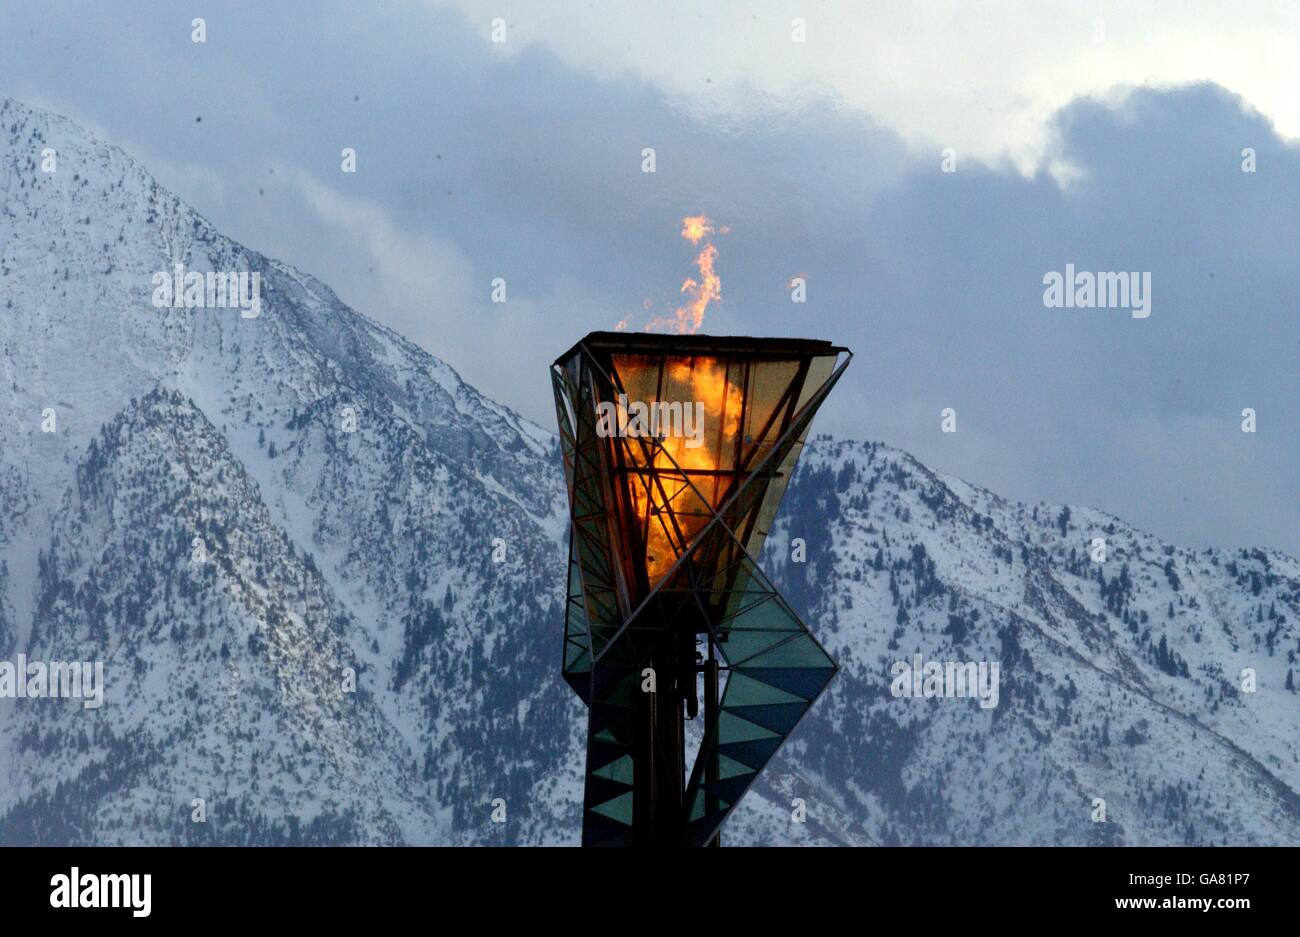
(621, 626)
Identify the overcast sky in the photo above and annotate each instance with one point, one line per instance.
(1107, 136)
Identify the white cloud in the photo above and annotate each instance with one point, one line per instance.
(416, 281)
(983, 78)
(425, 288)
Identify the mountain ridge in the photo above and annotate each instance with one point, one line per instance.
(361, 508)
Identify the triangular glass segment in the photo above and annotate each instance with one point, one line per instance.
(620, 808)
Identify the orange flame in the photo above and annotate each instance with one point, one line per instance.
(708, 288)
(695, 227)
(699, 379)
(690, 379)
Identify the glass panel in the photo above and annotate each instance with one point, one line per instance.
(731, 728)
(689, 424)
(730, 768)
(802, 651)
(743, 690)
(768, 387)
(639, 375)
(819, 369)
(618, 770)
(620, 808)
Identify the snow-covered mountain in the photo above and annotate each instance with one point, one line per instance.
(325, 578)
(347, 490)
(1121, 657)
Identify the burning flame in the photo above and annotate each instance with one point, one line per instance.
(689, 379)
(708, 288)
(695, 227)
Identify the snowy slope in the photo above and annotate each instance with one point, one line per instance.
(1120, 679)
(368, 652)
(227, 669)
(358, 449)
